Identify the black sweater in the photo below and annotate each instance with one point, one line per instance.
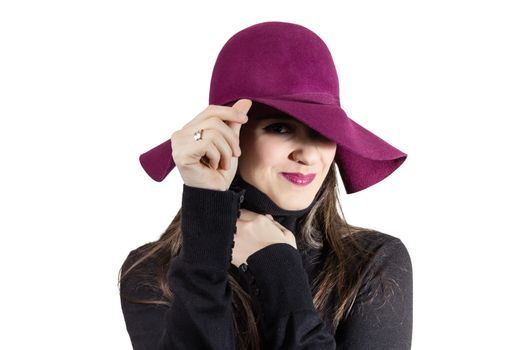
(277, 277)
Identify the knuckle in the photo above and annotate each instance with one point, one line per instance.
(217, 122)
(240, 113)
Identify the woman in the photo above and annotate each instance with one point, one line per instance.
(259, 257)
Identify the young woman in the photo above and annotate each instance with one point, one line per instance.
(259, 256)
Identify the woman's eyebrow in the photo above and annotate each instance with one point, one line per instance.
(274, 116)
(286, 118)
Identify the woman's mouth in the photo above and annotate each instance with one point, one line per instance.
(298, 178)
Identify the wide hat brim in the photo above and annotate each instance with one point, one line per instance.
(362, 157)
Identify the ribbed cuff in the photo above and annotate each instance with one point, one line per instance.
(208, 220)
(278, 281)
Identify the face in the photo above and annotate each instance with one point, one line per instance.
(274, 143)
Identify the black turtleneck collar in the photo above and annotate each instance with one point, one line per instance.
(259, 202)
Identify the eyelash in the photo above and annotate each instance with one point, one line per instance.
(270, 128)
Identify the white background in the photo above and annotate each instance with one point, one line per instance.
(88, 86)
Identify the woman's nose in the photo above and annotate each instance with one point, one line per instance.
(306, 152)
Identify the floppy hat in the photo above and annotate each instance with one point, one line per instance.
(288, 67)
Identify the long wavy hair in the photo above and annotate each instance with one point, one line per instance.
(343, 274)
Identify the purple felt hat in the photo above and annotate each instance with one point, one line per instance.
(288, 67)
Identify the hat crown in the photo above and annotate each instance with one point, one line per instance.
(275, 59)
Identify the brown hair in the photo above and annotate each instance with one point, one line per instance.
(343, 275)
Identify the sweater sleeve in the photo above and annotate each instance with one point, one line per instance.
(279, 287)
(200, 315)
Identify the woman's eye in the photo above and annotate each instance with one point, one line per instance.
(277, 128)
(274, 128)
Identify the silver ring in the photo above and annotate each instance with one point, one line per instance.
(198, 135)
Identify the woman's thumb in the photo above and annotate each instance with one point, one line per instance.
(242, 105)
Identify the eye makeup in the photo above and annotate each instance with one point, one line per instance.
(272, 128)
(288, 122)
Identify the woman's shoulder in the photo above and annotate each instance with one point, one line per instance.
(137, 274)
(380, 243)
(135, 254)
(385, 256)
(136, 262)
(389, 266)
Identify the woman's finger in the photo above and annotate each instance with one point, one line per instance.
(226, 132)
(217, 149)
(224, 113)
(213, 155)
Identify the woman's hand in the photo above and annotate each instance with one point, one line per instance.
(256, 231)
(210, 163)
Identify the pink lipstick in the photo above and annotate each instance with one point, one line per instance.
(298, 178)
